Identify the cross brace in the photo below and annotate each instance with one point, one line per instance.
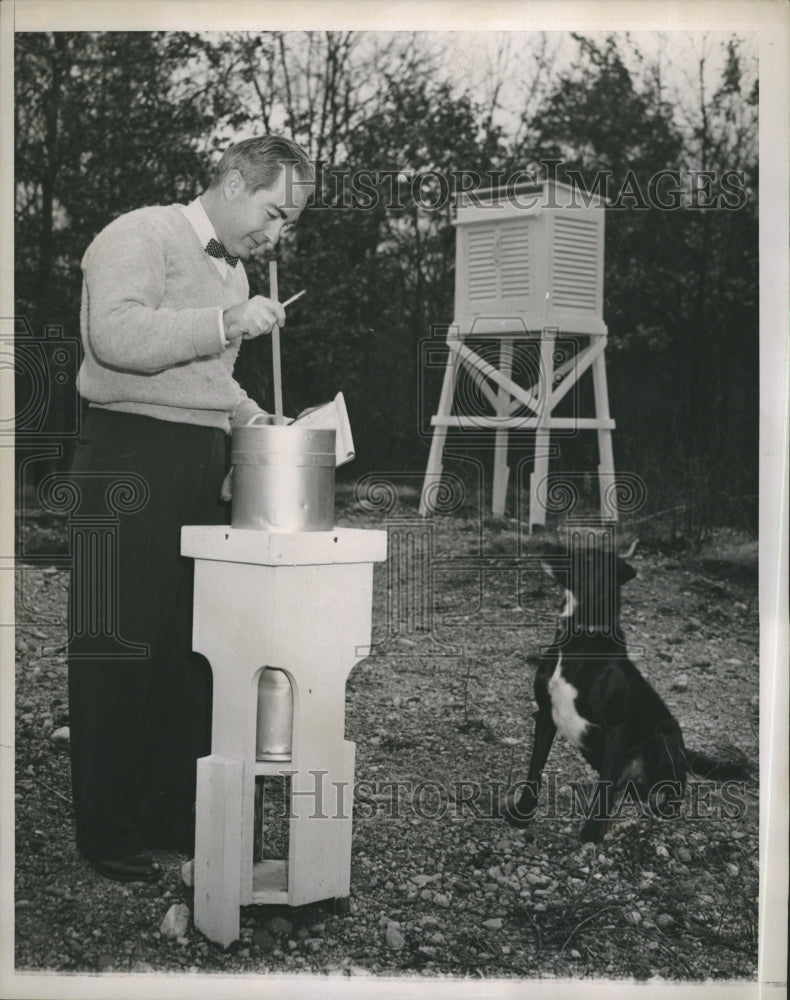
(547, 388)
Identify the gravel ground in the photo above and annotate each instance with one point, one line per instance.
(441, 715)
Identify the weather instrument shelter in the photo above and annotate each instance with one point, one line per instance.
(529, 273)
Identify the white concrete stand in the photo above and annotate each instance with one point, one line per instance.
(302, 603)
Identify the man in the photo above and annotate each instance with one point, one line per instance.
(164, 308)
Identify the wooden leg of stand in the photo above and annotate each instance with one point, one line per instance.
(218, 848)
(433, 471)
(606, 478)
(501, 469)
(538, 482)
(257, 840)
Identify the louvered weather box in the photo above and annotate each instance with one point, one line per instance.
(534, 254)
(529, 266)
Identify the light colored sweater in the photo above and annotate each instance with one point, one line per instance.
(149, 321)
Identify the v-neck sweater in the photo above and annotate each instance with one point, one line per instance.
(149, 323)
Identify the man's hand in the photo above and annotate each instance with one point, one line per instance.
(252, 318)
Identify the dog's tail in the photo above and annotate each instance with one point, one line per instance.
(732, 765)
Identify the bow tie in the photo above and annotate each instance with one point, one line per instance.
(215, 249)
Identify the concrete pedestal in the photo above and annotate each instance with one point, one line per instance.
(299, 602)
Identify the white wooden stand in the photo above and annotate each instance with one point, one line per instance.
(540, 399)
(528, 267)
(302, 603)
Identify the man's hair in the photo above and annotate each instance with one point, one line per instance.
(261, 159)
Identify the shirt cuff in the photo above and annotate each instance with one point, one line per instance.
(223, 339)
(207, 336)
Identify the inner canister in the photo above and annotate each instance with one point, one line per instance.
(274, 728)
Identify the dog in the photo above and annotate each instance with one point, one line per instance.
(588, 690)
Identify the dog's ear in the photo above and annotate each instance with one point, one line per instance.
(630, 551)
(549, 569)
(557, 570)
(554, 561)
(625, 572)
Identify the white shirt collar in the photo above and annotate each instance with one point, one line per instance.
(201, 223)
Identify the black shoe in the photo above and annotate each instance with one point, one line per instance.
(182, 841)
(132, 868)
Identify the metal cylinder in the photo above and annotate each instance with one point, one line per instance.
(274, 728)
(283, 478)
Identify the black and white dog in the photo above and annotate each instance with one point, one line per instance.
(588, 689)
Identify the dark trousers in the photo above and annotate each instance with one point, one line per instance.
(139, 698)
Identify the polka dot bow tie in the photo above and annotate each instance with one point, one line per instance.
(215, 249)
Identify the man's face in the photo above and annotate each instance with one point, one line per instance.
(253, 223)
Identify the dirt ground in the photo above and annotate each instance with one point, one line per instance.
(441, 715)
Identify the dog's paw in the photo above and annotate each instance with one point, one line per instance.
(520, 812)
(520, 822)
(665, 808)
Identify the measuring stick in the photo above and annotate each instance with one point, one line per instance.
(276, 360)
